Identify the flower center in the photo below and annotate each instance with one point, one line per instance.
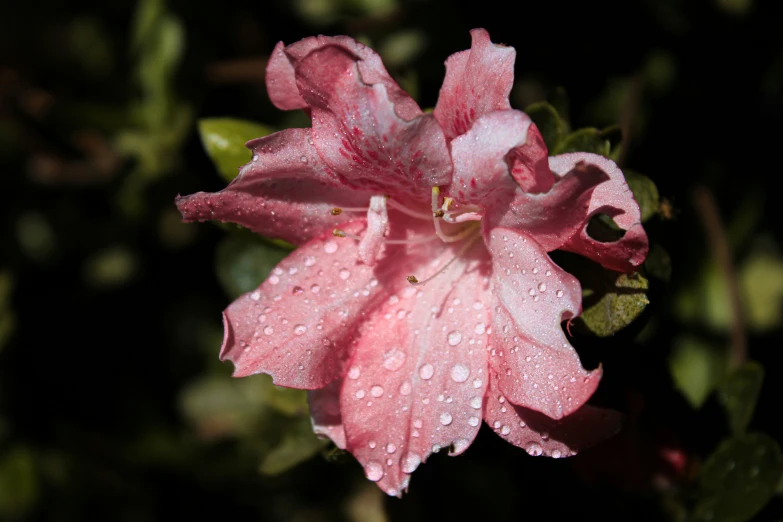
(469, 216)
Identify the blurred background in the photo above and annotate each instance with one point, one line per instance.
(113, 405)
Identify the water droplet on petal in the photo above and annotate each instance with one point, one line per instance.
(391, 448)
(405, 388)
(309, 261)
(354, 372)
(475, 403)
(344, 274)
(315, 289)
(376, 391)
(410, 462)
(303, 159)
(393, 359)
(330, 247)
(459, 446)
(473, 421)
(426, 371)
(542, 287)
(559, 293)
(373, 471)
(460, 373)
(360, 394)
(454, 337)
(534, 449)
(477, 383)
(269, 330)
(300, 329)
(556, 454)
(480, 328)
(505, 430)
(297, 290)
(372, 444)
(273, 280)
(445, 418)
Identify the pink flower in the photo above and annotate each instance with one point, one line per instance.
(421, 299)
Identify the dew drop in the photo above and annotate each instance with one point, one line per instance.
(426, 371)
(300, 329)
(354, 372)
(373, 471)
(473, 421)
(360, 394)
(454, 337)
(542, 287)
(303, 159)
(559, 293)
(410, 462)
(459, 446)
(480, 328)
(405, 388)
(393, 359)
(273, 280)
(297, 290)
(391, 448)
(315, 289)
(269, 330)
(477, 383)
(475, 403)
(556, 454)
(534, 449)
(330, 247)
(344, 274)
(532, 291)
(376, 391)
(445, 418)
(460, 373)
(309, 261)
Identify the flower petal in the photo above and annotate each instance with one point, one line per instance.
(529, 163)
(478, 81)
(377, 222)
(537, 367)
(615, 199)
(539, 435)
(554, 216)
(325, 412)
(360, 136)
(418, 374)
(298, 325)
(286, 191)
(281, 82)
(481, 172)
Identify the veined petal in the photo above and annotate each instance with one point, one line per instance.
(539, 435)
(481, 171)
(299, 324)
(360, 136)
(478, 81)
(419, 372)
(554, 216)
(286, 191)
(537, 367)
(377, 223)
(325, 412)
(615, 199)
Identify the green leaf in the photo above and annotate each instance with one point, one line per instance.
(739, 393)
(761, 281)
(611, 300)
(739, 479)
(18, 483)
(588, 139)
(297, 445)
(645, 192)
(224, 140)
(243, 261)
(697, 368)
(549, 123)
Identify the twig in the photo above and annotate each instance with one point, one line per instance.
(716, 234)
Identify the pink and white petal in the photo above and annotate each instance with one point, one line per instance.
(481, 171)
(539, 435)
(537, 367)
(281, 82)
(529, 163)
(325, 412)
(286, 191)
(371, 243)
(360, 136)
(615, 199)
(369, 64)
(298, 325)
(419, 372)
(554, 216)
(293, 210)
(478, 81)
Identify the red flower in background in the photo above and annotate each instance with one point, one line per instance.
(421, 299)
